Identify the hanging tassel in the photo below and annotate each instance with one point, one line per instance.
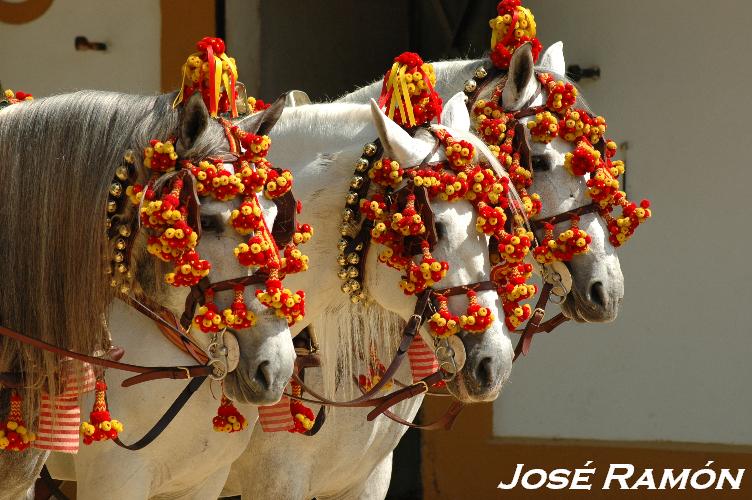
(14, 436)
(238, 316)
(302, 416)
(228, 418)
(443, 323)
(101, 426)
(477, 318)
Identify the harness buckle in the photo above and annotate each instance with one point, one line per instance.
(186, 370)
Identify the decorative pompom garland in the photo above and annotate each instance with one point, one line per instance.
(14, 435)
(101, 426)
(408, 91)
(514, 26)
(175, 240)
(213, 74)
(228, 418)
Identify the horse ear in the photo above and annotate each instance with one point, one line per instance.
(553, 59)
(455, 115)
(397, 142)
(263, 122)
(194, 119)
(521, 83)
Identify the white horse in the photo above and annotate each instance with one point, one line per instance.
(597, 289)
(340, 458)
(597, 281)
(189, 459)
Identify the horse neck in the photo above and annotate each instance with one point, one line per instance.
(302, 133)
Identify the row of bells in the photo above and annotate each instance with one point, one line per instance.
(350, 253)
(121, 233)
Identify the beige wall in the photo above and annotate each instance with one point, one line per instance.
(39, 56)
(676, 363)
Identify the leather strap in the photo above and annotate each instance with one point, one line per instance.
(168, 416)
(565, 216)
(533, 324)
(148, 372)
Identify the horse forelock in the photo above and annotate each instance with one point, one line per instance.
(57, 160)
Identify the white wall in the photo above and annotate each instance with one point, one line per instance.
(677, 363)
(39, 57)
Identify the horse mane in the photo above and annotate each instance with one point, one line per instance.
(350, 330)
(58, 156)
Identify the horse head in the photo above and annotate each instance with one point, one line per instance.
(597, 283)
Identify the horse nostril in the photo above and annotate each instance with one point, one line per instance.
(263, 376)
(598, 294)
(485, 372)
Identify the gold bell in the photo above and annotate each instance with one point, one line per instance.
(353, 258)
(470, 86)
(119, 257)
(352, 198)
(352, 272)
(369, 149)
(120, 244)
(354, 285)
(111, 206)
(481, 73)
(122, 173)
(342, 244)
(347, 215)
(342, 274)
(124, 231)
(341, 259)
(129, 157)
(361, 165)
(357, 182)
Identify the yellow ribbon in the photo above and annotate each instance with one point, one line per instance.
(400, 94)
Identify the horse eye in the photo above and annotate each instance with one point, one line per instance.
(440, 230)
(211, 223)
(541, 163)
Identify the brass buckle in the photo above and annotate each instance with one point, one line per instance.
(186, 370)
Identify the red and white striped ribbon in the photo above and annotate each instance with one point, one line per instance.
(422, 359)
(60, 418)
(276, 417)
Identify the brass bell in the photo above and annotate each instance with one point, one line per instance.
(346, 287)
(111, 206)
(355, 299)
(116, 189)
(357, 182)
(352, 272)
(122, 173)
(124, 231)
(342, 274)
(122, 268)
(113, 282)
(361, 165)
(353, 258)
(470, 86)
(344, 229)
(354, 285)
(347, 215)
(369, 149)
(120, 244)
(108, 223)
(481, 73)
(119, 257)
(359, 247)
(124, 289)
(352, 198)
(341, 259)
(129, 157)
(342, 244)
